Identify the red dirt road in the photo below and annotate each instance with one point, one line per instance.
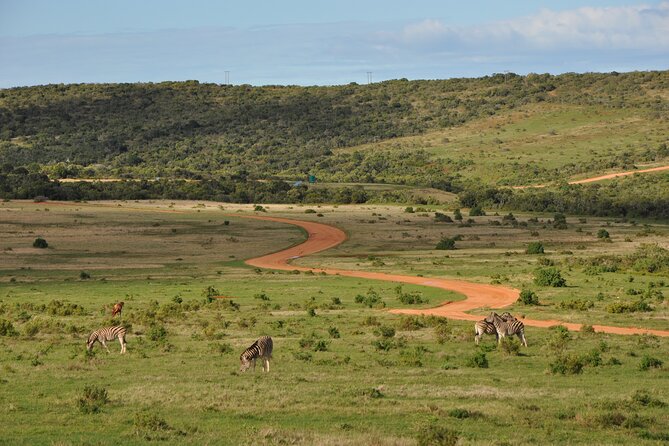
(322, 237)
(601, 177)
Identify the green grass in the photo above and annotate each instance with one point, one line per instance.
(542, 142)
(186, 389)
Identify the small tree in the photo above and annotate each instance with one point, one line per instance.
(457, 215)
(603, 233)
(528, 297)
(535, 248)
(549, 277)
(476, 211)
(40, 243)
(446, 243)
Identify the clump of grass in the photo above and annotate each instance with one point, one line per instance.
(93, 399)
(649, 362)
(7, 328)
(150, 426)
(436, 435)
(567, 364)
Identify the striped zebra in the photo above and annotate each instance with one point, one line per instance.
(262, 348)
(484, 327)
(107, 334)
(507, 328)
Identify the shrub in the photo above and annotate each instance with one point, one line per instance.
(372, 299)
(648, 362)
(321, 345)
(40, 243)
(446, 243)
(411, 323)
(479, 360)
(83, 275)
(535, 248)
(643, 398)
(603, 233)
(435, 435)
(577, 304)
(157, 333)
(476, 211)
(510, 345)
(442, 218)
(409, 298)
(528, 297)
(549, 277)
(442, 331)
(7, 328)
(385, 331)
(570, 364)
(629, 307)
(409, 210)
(210, 293)
(261, 296)
(457, 215)
(93, 399)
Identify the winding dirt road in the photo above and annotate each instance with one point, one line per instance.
(322, 237)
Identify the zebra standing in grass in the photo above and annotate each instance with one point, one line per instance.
(107, 334)
(484, 327)
(262, 348)
(507, 328)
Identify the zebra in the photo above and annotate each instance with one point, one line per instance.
(507, 328)
(262, 348)
(107, 334)
(484, 327)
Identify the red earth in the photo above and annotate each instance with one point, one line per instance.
(478, 296)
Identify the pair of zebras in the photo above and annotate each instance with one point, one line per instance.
(262, 348)
(500, 326)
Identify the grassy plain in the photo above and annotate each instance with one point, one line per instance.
(335, 378)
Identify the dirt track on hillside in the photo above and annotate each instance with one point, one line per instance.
(601, 177)
(322, 237)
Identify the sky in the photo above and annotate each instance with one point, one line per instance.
(317, 42)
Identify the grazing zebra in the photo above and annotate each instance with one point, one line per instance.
(507, 328)
(117, 309)
(107, 334)
(262, 348)
(484, 327)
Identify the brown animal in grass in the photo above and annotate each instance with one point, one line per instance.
(117, 309)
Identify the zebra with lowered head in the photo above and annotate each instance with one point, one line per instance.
(107, 334)
(262, 348)
(484, 327)
(507, 328)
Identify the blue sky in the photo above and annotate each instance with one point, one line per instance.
(322, 43)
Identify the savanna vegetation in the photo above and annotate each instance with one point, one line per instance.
(345, 371)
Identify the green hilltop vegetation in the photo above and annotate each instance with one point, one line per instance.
(472, 137)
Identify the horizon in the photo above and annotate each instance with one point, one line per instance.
(301, 44)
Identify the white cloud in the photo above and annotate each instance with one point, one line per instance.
(629, 27)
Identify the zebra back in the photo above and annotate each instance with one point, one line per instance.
(485, 327)
(508, 327)
(261, 348)
(106, 334)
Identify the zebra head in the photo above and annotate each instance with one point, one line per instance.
(506, 316)
(244, 363)
(91, 340)
(491, 318)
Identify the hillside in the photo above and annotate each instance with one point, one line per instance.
(187, 129)
(465, 136)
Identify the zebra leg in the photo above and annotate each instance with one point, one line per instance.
(254, 365)
(521, 336)
(266, 364)
(122, 341)
(104, 344)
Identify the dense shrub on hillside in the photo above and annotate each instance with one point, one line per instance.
(40, 243)
(528, 297)
(446, 243)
